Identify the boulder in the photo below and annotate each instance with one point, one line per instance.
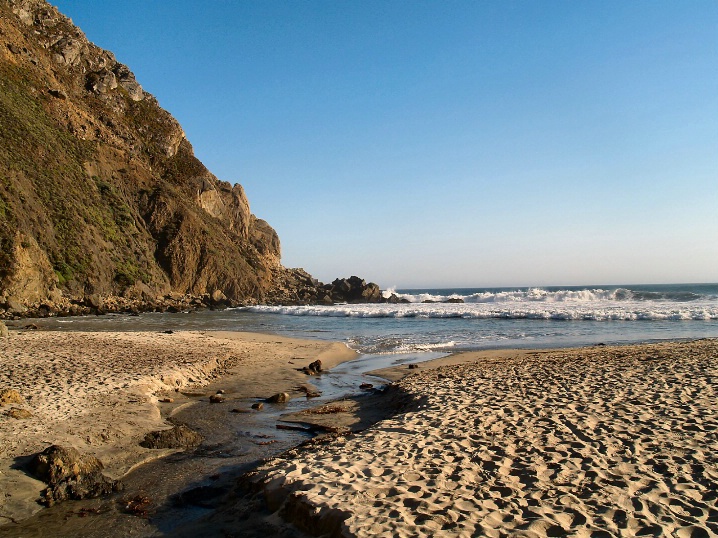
(10, 396)
(101, 82)
(218, 298)
(280, 397)
(315, 367)
(70, 475)
(178, 437)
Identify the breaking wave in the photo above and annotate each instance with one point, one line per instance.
(576, 312)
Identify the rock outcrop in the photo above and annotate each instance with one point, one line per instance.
(297, 287)
(100, 192)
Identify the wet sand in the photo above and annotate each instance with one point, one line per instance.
(100, 391)
(601, 441)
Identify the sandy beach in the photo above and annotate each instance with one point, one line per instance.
(601, 441)
(100, 392)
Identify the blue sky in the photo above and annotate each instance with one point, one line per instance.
(453, 143)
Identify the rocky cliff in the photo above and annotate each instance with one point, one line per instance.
(100, 192)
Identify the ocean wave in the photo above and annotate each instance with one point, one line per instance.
(517, 296)
(481, 311)
(392, 346)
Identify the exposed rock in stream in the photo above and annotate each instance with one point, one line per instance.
(70, 475)
(178, 437)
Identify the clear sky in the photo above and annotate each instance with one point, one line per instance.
(449, 143)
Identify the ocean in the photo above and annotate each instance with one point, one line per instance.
(488, 318)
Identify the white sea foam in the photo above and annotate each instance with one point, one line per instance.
(484, 318)
(577, 310)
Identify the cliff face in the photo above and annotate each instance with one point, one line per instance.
(100, 192)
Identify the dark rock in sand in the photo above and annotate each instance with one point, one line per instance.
(258, 406)
(366, 386)
(413, 366)
(216, 398)
(314, 368)
(178, 437)
(280, 397)
(70, 475)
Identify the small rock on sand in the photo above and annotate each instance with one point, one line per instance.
(280, 397)
(3, 330)
(314, 368)
(10, 396)
(258, 406)
(216, 398)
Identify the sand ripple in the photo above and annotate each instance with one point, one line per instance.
(597, 442)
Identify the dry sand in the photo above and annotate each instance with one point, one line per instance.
(603, 441)
(99, 391)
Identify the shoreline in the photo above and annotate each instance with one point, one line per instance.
(100, 392)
